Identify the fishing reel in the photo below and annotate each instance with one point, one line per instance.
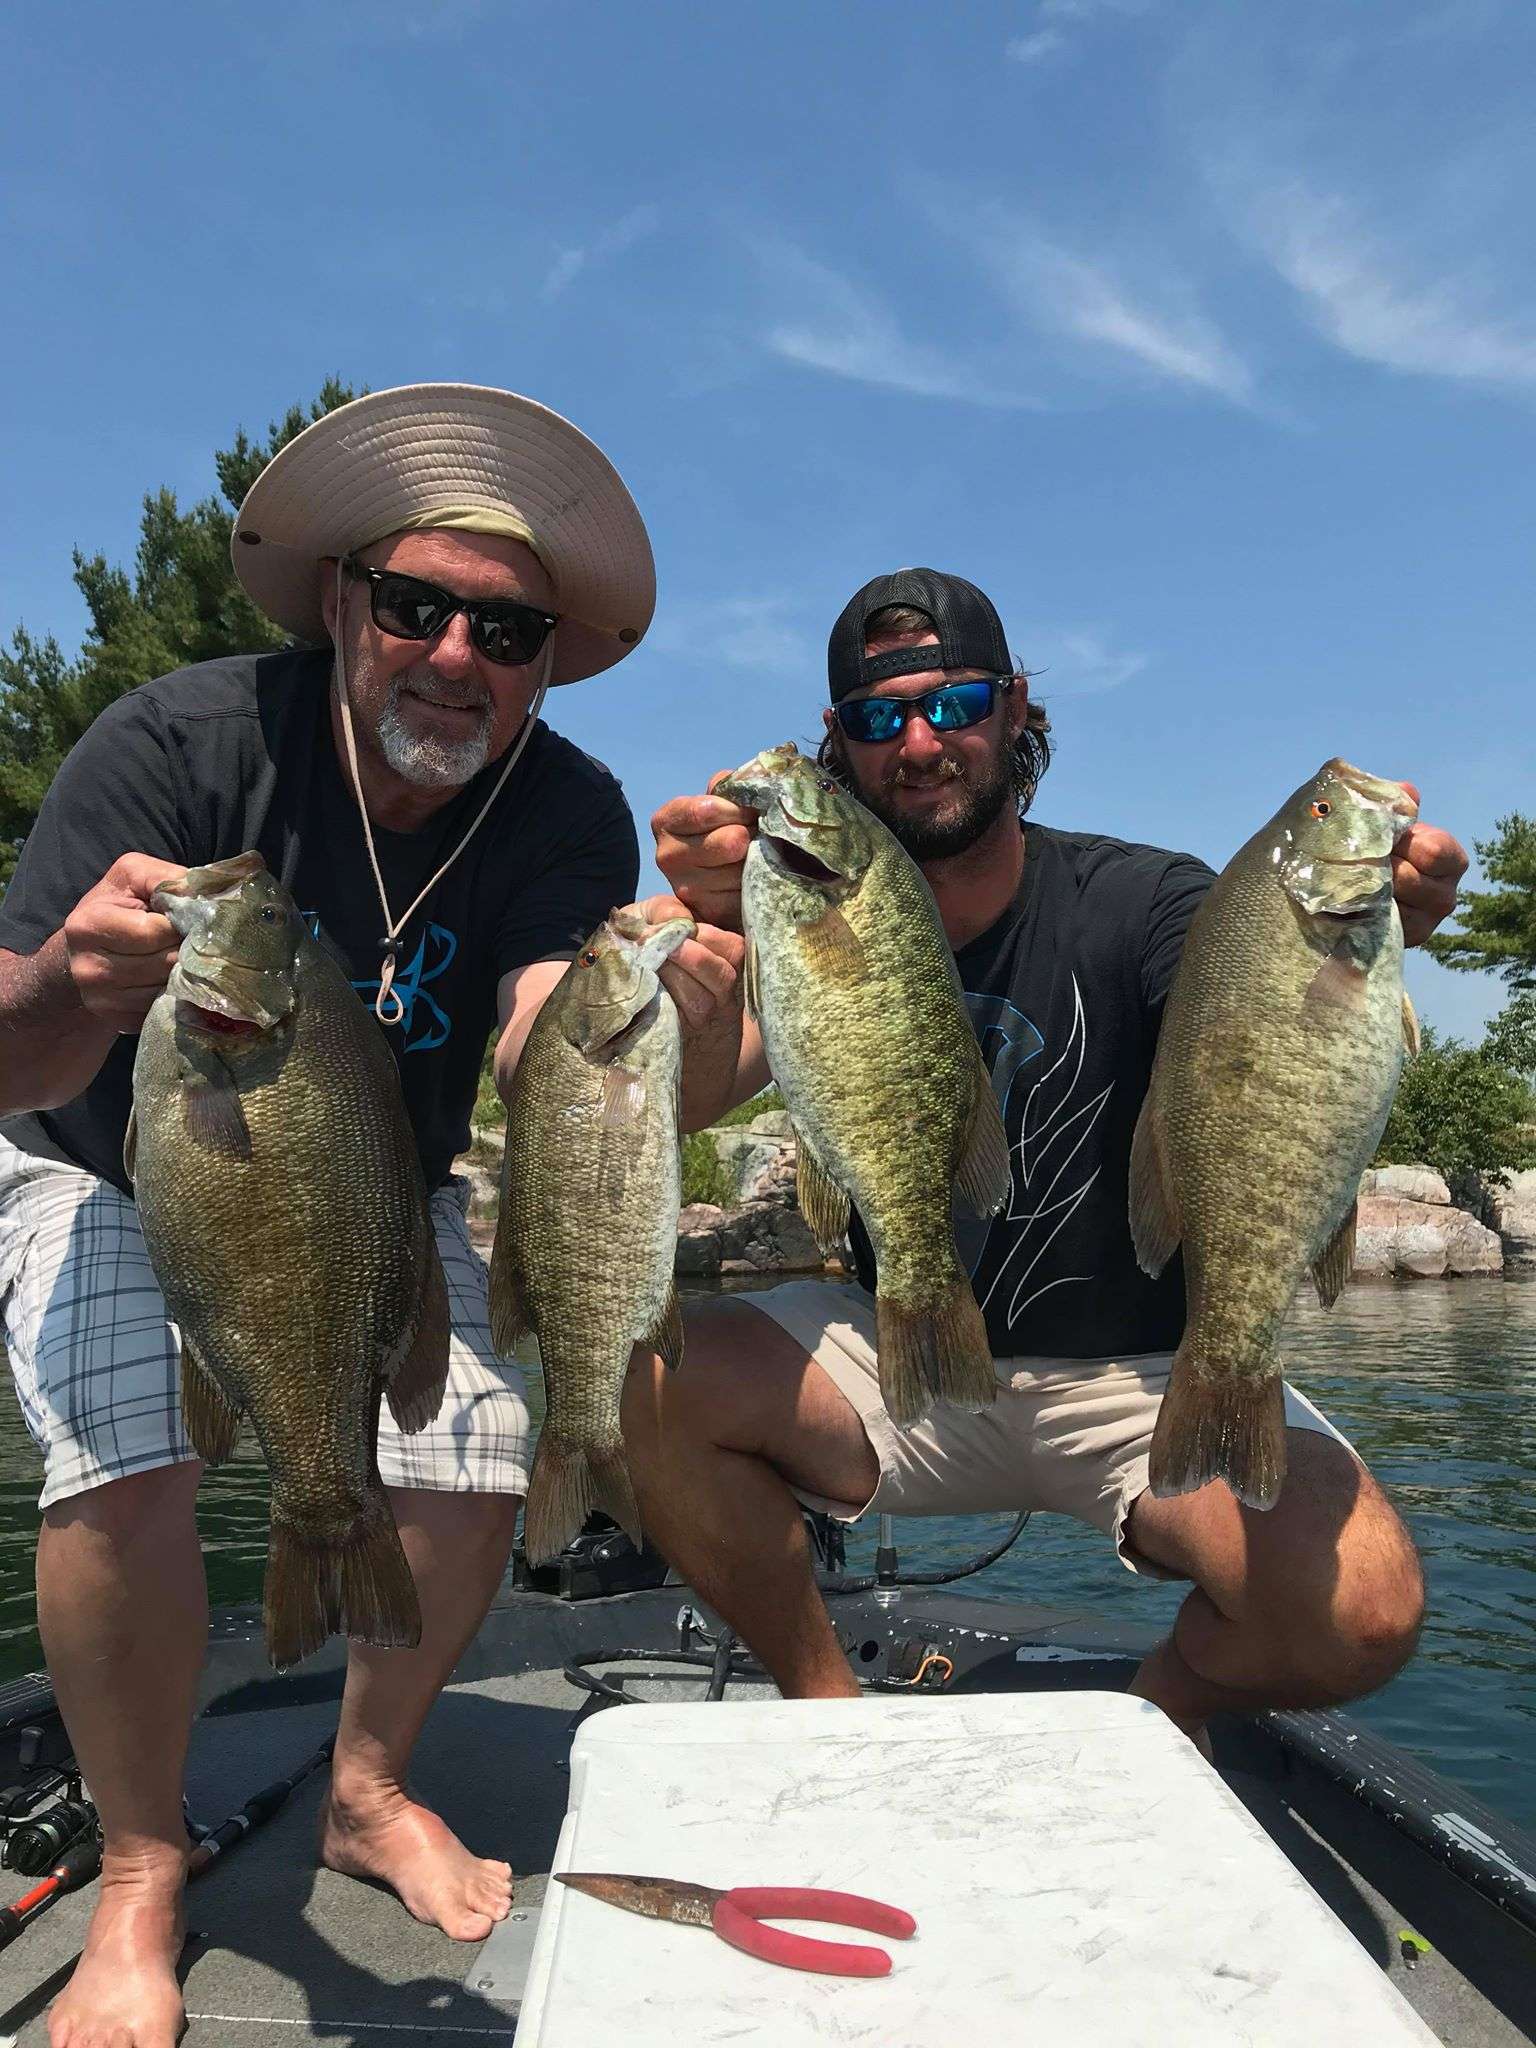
(39, 1842)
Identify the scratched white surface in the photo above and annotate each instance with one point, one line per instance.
(1078, 1875)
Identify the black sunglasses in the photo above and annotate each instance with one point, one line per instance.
(949, 708)
(501, 629)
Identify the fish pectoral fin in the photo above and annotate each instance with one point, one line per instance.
(1341, 982)
(1155, 1224)
(665, 1335)
(414, 1387)
(509, 1307)
(1334, 1264)
(131, 1141)
(1411, 1037)
(985, 1176)
(623, 1097)
(822, 1202)
(210, 1417)
(750, 985)
(213, 1114)
(832, 948)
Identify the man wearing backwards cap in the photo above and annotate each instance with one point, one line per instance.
(448, 553)
(1066, 943)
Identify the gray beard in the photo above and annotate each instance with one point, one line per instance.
(429, 763)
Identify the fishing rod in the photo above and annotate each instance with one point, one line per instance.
(83, 1861)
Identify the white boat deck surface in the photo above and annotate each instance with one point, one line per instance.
(285, 1954)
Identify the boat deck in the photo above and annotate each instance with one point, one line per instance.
(282, 1953)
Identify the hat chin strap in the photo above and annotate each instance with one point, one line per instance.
(388, 1007)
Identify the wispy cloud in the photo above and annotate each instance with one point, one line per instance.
(1079, 660)
(568, 265)
(1380, 306)
(1053, 17)
(753, 633)
(826, 322)
(1087, 300)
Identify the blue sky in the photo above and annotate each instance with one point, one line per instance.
(1202, 336)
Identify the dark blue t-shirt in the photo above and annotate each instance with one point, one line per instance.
(239, 753)
(1066, 994)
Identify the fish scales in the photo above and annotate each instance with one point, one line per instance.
(586, 1238)
(1279, 1053)
(301, 1270)
(866, 1032)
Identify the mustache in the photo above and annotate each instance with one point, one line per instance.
(422, 682)
(948, 770)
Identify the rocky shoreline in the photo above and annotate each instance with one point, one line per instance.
(1411, 1224)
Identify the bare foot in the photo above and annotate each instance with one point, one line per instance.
(391, 1839)
(124, 1992)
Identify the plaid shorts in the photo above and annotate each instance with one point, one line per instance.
(96, 1359)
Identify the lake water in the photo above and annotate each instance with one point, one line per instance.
(1435, 1384)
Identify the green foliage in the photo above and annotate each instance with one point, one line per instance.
(1498, 926)
(704, 1178)
(755, 1106)
(1459, 1109)
(180, 605)
(1511, 1037)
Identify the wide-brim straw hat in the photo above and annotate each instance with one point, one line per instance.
(388, 461)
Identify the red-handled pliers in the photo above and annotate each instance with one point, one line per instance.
(737, 1916)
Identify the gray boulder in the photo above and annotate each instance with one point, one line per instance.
(1412, 1183)
(1400, 1238)
(1511, 1211)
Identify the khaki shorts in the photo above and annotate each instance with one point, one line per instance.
(1067, 1436)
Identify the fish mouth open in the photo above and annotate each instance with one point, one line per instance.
(217, 1021)
(794, 860)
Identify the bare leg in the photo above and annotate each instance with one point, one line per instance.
(1315, 1601)
(712, 1450)
(371, 1826)
(123, 1610)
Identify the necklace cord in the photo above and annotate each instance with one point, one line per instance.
(388, 1006)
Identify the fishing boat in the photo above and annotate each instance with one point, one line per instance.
(1436, 1891)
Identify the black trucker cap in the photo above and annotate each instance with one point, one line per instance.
(970, 632)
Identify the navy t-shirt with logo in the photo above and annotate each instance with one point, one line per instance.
(239, 753)
(1066, 994)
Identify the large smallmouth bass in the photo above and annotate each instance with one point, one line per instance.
(866, 1031)
(586, 1238)
(281, 1196)
(1281, 1045)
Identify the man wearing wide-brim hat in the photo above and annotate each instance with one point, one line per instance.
(441, 555)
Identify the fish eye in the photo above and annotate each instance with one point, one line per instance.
(269, 915)
(1321, 808)
(589, 958)
(825, 782)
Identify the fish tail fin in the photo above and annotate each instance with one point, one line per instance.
(1219, 1425)
(361, 1587)
(569, 1480)
(937, 1354)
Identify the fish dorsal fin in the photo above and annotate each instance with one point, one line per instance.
(1334, 1264)
(211, 1418)
(665, 1335)
(415, 1385)
(1155, 1225)
(1411, 1038)
(985, 1175)
(822, 1202)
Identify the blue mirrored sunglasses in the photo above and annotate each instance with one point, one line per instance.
(950, 708)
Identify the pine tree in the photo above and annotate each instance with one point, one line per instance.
(180, 605)
(1498, 926)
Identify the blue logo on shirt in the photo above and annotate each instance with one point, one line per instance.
(433, 956)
